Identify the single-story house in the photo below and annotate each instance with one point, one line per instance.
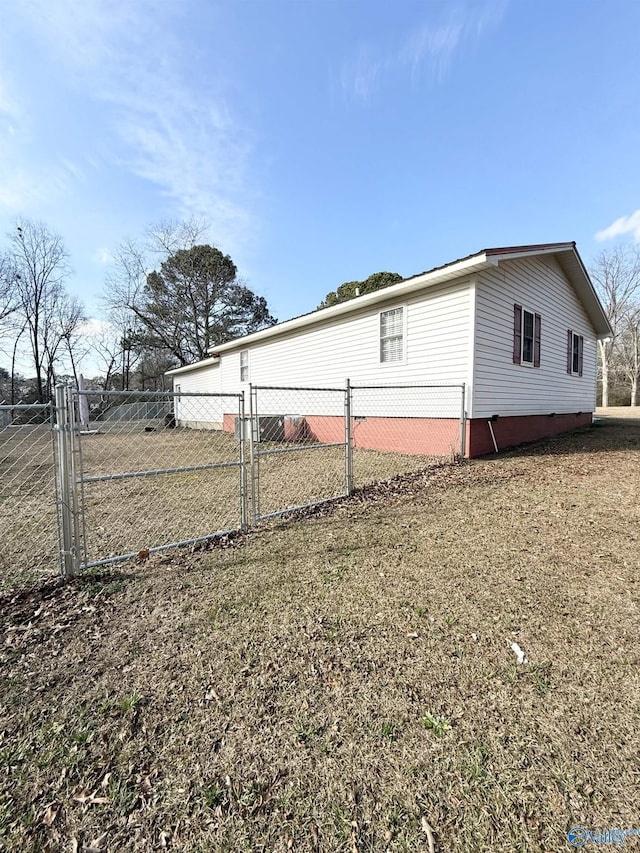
(517, 325)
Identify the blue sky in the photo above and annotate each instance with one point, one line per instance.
(323, 139)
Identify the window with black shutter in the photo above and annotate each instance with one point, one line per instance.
(527, 333)
(575, 350)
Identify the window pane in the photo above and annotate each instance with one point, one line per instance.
(391, 335)
(527, 337)
(391, 349)
(391, 322)
(528, 324)
(576, 354)
(395, 349)
(527, 350)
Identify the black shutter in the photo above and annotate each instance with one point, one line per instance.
(569, 351)
(580, 347)
(536, 340)
(517, 334)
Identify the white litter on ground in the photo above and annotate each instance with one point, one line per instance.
(519, 653)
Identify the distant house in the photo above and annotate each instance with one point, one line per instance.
(517, 325)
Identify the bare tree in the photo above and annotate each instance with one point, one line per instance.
(48, 315)
(69, 320)
(107, 350)
(616, 275)
(628, 351)
(9, 330)
(8, 293)
(167, 238)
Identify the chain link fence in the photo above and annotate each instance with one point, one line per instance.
(149, 477)
(28, 524)
(399, 429)
(138, 472)
(298, 448)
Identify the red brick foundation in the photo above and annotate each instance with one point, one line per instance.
(511, 431)
(427, 436)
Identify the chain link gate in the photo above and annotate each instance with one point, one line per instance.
(298, 440)
(142, 472)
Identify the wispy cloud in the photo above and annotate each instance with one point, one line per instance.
(173, 133)
(619, 228)
(427, 49)
(361, 76)
(432, 45)
(22, 186)
(102, 256)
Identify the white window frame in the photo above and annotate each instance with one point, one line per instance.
(244, 365)
(403, 358)
(533, 338)
(575, 353)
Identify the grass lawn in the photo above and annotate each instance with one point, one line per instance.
(345, 682)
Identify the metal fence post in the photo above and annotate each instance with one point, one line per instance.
(74, 468)
(243, 466)
(253, 457)
(67, 563)
(348, 454)
(463, 424)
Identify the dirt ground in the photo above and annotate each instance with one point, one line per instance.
(346, 681)
(626, 413)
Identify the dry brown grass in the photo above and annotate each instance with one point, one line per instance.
(336, 683)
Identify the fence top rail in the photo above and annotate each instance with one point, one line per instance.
(9, 408)
(416, 387)
(134, 395)
(295, 388)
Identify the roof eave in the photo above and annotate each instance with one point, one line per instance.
(567, 254)
(458, 269)
(575, 270)
(587, 293)
(187, 368)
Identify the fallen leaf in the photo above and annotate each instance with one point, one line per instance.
(50, 813)
(354, 837)
(97, 845)
(429, 833)
(87, 799)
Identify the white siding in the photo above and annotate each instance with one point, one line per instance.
(200, 412)
(504, 388)
(436, 347)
